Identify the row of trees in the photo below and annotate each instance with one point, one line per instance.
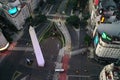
(73, 3)
(38, 19)
(72, 20)
(76, 4)
(75, 21)
(50, 1)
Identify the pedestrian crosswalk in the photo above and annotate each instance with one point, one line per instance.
(21, 49)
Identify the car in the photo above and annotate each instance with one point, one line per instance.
(59, 70)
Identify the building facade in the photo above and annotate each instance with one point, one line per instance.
(107, 41)
(102, 11)
(3, 42)
(32, 4)
(110, 72)
(17, 13)
(105, 23)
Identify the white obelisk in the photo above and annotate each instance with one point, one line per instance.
(36, 47)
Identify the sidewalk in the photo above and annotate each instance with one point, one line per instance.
(65, 51)
(7, 52)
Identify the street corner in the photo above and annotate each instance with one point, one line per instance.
(4, 52)
(12, 45)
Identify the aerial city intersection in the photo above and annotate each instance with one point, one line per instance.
(59, 40)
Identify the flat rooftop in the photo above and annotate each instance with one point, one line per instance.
(111, 29)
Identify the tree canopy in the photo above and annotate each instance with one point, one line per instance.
(83, 3)
(51, 1)
(38, 19)
(73, 3)
(73, 20)
(87, 40)
(42, 18)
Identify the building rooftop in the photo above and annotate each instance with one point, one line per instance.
(109, 10)
(107, 4)
(111, 29)
(112, 72)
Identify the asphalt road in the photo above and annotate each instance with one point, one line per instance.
(16, 62)
(25, 39)
(55, 6)
(87, 69)
(77, 37)
(74, 37)
(9, 65)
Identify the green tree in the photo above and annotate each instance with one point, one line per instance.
(50, 1)
(83, 3)
(41, 18)
(29, 19)
(73, 20)
(86, 15)
(87, 40)
(83, 23)
(73, 3)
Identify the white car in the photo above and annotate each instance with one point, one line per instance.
(59, 70)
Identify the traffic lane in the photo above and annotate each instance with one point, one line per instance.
(82, 35)
(55, 6)
(50, 48)
(68, 11)
(74, 36)
(25, 39)
(24, 43)
(13, 63)
(82, 78)
(81, 63)
(79, 78)
(33, 70)
(62, 6)
(8, 66)
(40, 28)
(76, 64)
